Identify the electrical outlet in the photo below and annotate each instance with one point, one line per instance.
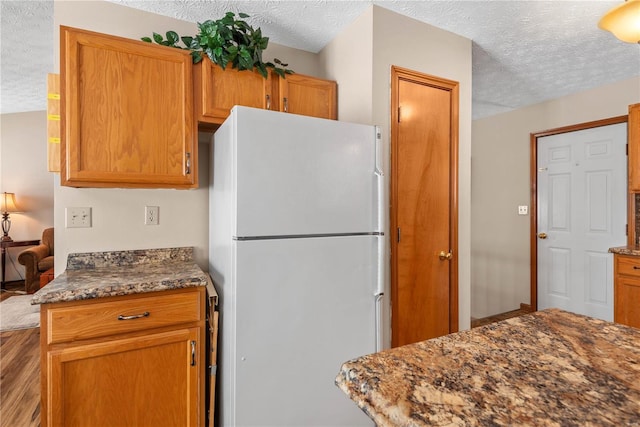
(78, 217)
(151, 215)
(523, 210)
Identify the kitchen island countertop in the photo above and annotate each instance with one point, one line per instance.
(116, 273)
(549, 368)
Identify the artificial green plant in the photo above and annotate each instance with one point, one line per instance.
(226, 41)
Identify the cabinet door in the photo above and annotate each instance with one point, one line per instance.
(127, 113)
(218, 90)
(634, 147)
(309, 96)
(627, 301)
(150, 380)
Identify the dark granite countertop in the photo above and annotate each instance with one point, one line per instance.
(626, 250)
(549, 368)
(106, 274)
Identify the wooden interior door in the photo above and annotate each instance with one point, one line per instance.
(424, 134)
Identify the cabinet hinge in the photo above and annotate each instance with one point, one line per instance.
(213, 369)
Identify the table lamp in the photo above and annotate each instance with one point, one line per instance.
(7, 206)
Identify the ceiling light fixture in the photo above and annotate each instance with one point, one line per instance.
(623, 21)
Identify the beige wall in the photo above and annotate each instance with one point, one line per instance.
(441, 54)
(23, 170)
(501, 155)
(118, 214)
(360, 58)
(348, 59)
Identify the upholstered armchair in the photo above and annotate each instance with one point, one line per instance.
(37, 260)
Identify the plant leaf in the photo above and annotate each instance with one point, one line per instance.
(186, 40)
(146, 39)
(172, 37)
(196, 56)
(262, 70)
(157, 38)
(244, 59)
(194, 45)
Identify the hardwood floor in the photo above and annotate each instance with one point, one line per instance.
(20, 378)
(498, 317)
(19, 371)
(12, 288)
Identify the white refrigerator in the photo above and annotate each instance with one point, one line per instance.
(297, 254)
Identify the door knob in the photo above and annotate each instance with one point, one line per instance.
(444, 255)
(542, 235)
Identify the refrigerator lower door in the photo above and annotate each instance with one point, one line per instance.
(302, 308)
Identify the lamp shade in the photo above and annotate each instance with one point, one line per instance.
(8, 203)
(623, 21)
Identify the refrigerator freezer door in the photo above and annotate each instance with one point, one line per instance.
(302, 308)
(298, 175)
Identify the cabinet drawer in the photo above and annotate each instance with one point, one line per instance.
(112, 316)
(628, 265)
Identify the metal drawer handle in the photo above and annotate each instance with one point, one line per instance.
(133, 316)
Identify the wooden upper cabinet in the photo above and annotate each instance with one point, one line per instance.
(218, 90)
(127, 110)
(309, 96)
(634, 147)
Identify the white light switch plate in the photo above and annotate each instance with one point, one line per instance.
(523, 210)
(77, 217)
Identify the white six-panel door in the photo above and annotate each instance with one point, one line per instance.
(582, 179)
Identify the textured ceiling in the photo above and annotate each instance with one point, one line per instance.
(524, 51)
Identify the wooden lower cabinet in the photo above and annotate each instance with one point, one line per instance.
(627, 290)
(149, 373)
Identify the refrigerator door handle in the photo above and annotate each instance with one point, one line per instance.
(378, 157)
(379, 292)
(379, 298)
(380, 181)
